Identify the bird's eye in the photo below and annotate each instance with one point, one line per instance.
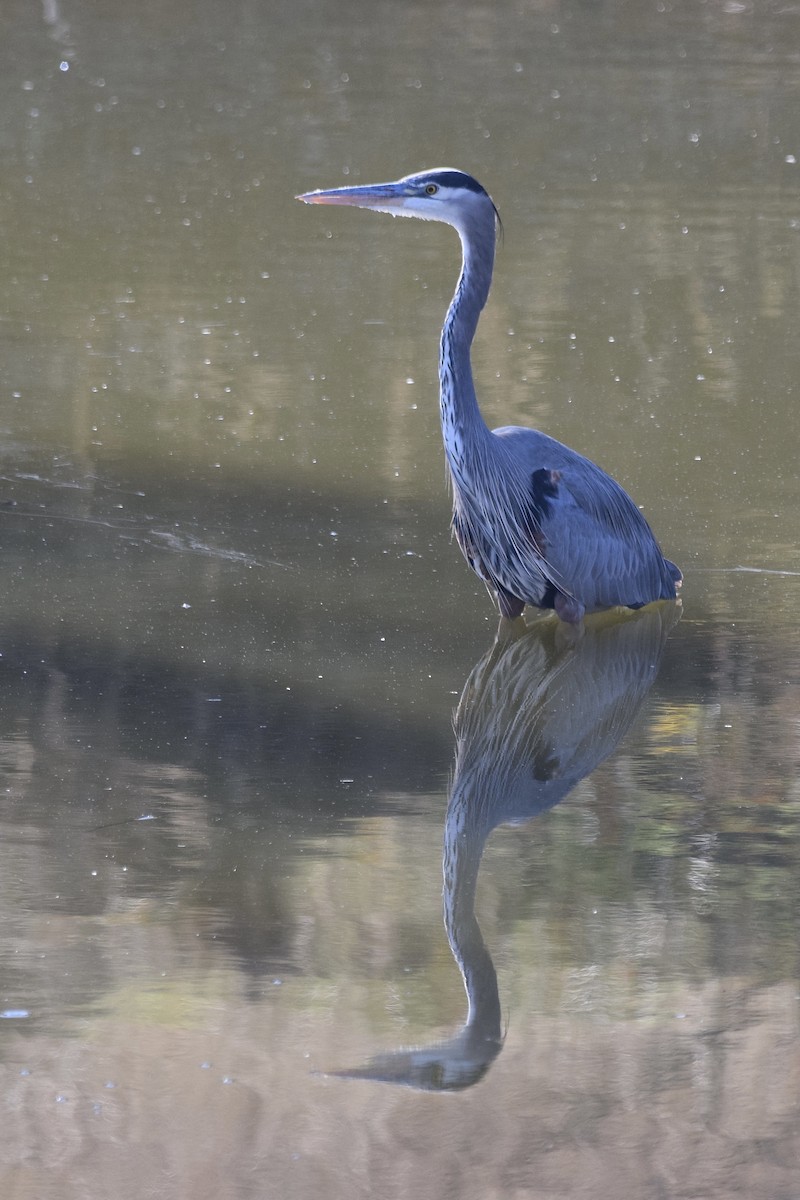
(431, 189)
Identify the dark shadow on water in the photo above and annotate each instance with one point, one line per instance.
(539, 712)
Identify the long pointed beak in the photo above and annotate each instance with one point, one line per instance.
(383, 196)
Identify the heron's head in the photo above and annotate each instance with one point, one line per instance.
(442, 194)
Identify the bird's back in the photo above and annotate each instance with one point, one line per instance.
(564, 525)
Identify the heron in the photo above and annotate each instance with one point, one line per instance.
(539, 523)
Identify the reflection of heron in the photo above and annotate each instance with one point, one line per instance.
(538, 523)
(536, 716)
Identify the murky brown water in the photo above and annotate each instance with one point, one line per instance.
(234, 631)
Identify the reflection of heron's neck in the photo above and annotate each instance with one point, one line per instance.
(463, 847)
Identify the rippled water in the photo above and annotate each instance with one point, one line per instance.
(292, 842)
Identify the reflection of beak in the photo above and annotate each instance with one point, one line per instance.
(375, 195)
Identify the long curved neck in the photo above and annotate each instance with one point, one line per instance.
(462, 423)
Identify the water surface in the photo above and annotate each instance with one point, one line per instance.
(234, 632)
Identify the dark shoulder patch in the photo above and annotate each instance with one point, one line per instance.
(544, 489)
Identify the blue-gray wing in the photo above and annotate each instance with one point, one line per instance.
(591, 540)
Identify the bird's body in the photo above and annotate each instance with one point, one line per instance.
(538, 523)
(562, 535)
